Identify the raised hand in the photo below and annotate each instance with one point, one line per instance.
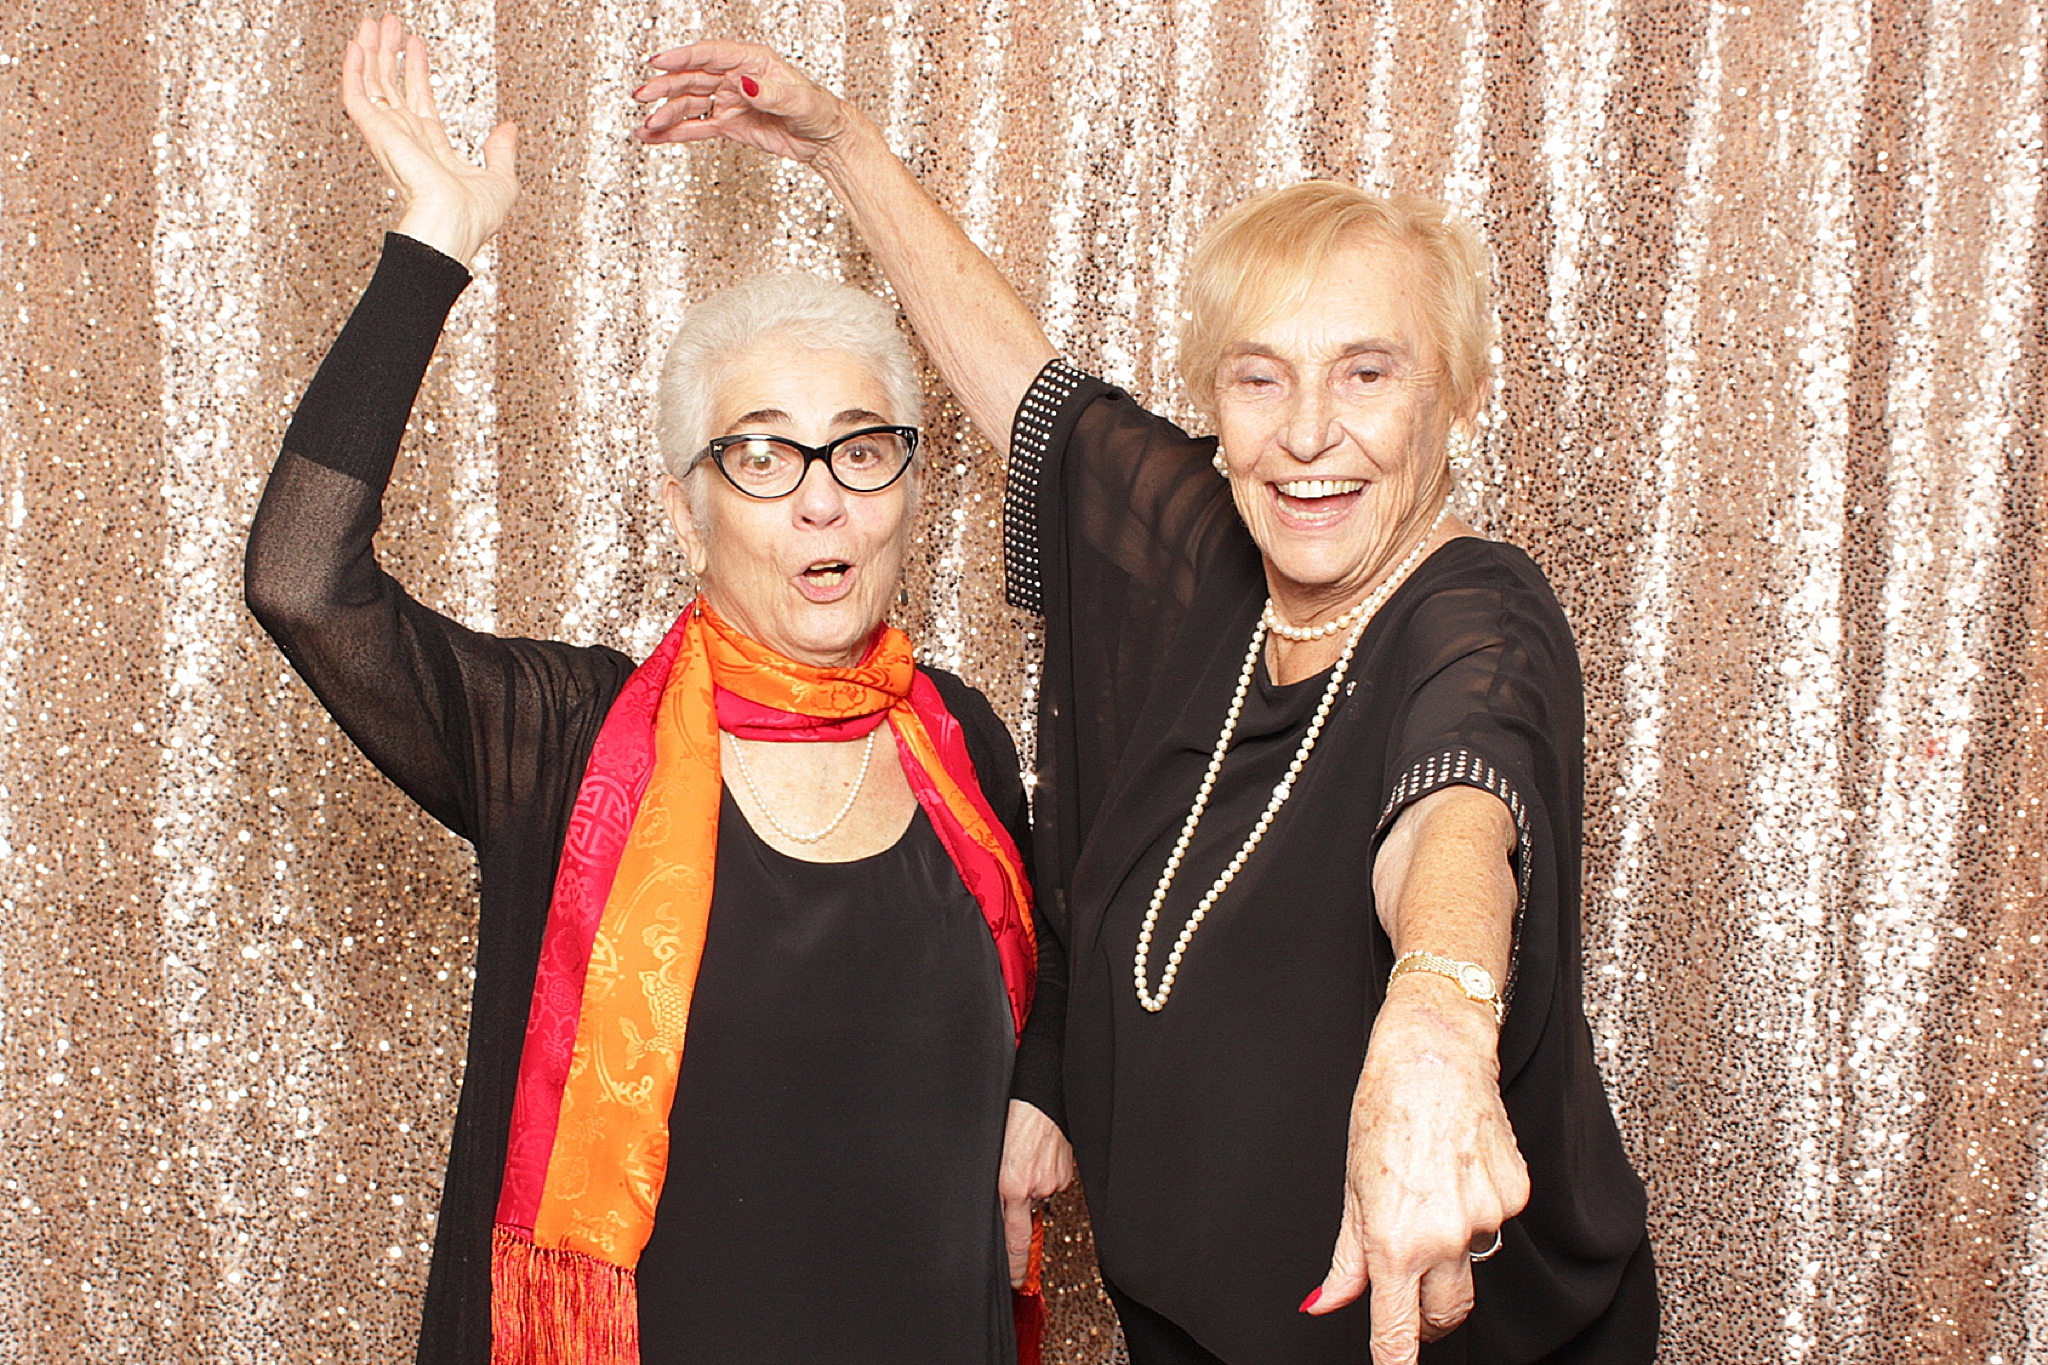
(743, 92)
(444, 200)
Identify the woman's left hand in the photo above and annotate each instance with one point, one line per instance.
(743, 92)
(1433, 1168)
(1037, 1164)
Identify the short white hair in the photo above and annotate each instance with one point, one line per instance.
(801, 311)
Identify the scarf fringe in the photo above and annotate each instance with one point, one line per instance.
(551, 1306)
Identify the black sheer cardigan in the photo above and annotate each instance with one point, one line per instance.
(490, 735)
(1214, 1162)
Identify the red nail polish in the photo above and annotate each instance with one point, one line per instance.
(1310, 1302)
(750, 85)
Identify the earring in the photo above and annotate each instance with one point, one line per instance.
(1222, 466)
(1459, 446)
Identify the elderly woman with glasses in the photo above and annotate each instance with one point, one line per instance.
(744, 1079)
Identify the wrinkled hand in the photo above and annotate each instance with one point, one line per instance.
(1433, 1168)
(1037, 1164)
(750, 95)
(444, 201)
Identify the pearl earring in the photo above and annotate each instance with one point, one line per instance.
(1460, 446)
(1222, 467)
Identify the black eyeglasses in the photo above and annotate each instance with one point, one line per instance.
(864, 461)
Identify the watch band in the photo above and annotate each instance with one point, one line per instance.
(1473, 979)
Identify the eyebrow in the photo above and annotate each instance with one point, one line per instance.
(847, 417)
(1367, 346)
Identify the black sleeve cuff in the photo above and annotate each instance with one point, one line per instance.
(354, 413)
(1045, 419)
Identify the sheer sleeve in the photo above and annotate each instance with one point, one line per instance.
(467, 724)
(1493, 700)
(1112, 519)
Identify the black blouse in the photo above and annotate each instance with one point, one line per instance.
(1211, 1135)
(491, 736)
(838, 1119)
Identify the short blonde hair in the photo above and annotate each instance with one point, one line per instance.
(1259, 260)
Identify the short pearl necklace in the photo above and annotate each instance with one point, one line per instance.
(1298, 634)
(867, 753)
(1362, 616)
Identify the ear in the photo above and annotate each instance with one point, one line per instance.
(1466, 418)
(675, 501)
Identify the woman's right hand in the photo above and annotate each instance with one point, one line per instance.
(744, 92)
(444, 201)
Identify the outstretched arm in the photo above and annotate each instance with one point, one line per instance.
(984, 340)
(1433, 1165)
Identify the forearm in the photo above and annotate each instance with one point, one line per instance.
(1432, 1164)
(1039, 1076)
(309, 559)
(353, 415)
(1444, 883)
(977, 330)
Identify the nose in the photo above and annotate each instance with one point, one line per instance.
(819, 500)
(1310, 427)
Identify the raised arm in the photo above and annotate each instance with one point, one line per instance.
(451, 715)
(984, 340)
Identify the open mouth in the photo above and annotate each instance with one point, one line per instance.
(1316, 500)
(826, 579)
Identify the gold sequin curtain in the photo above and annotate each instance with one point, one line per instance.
(1770, 415)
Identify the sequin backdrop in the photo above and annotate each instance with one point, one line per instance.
(1770, 416)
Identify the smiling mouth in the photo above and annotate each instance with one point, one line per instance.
(1309, 503)
(1315, 489)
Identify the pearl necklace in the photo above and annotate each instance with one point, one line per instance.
(1363, 614)
(1298, 634)
(867, 753)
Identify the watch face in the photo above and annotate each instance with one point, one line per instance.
(1476, 980)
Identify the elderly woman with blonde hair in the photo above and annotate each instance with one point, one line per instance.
(1310, 754)
(777, 836)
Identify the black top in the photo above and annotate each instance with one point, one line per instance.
(838, 1120)
(1211, 1135)
(489, 735)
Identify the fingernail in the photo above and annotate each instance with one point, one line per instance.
(1310, 1302)
(750, 85)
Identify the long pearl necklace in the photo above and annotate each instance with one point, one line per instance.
(1362, 615)
(867, 753)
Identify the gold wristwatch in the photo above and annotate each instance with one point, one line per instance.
(1473, 979)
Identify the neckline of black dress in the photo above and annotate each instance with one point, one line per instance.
(901, 841)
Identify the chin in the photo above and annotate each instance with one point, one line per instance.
(839, 632)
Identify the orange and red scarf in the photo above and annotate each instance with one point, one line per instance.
(625, 931)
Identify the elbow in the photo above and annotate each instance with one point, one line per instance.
(275, 589)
